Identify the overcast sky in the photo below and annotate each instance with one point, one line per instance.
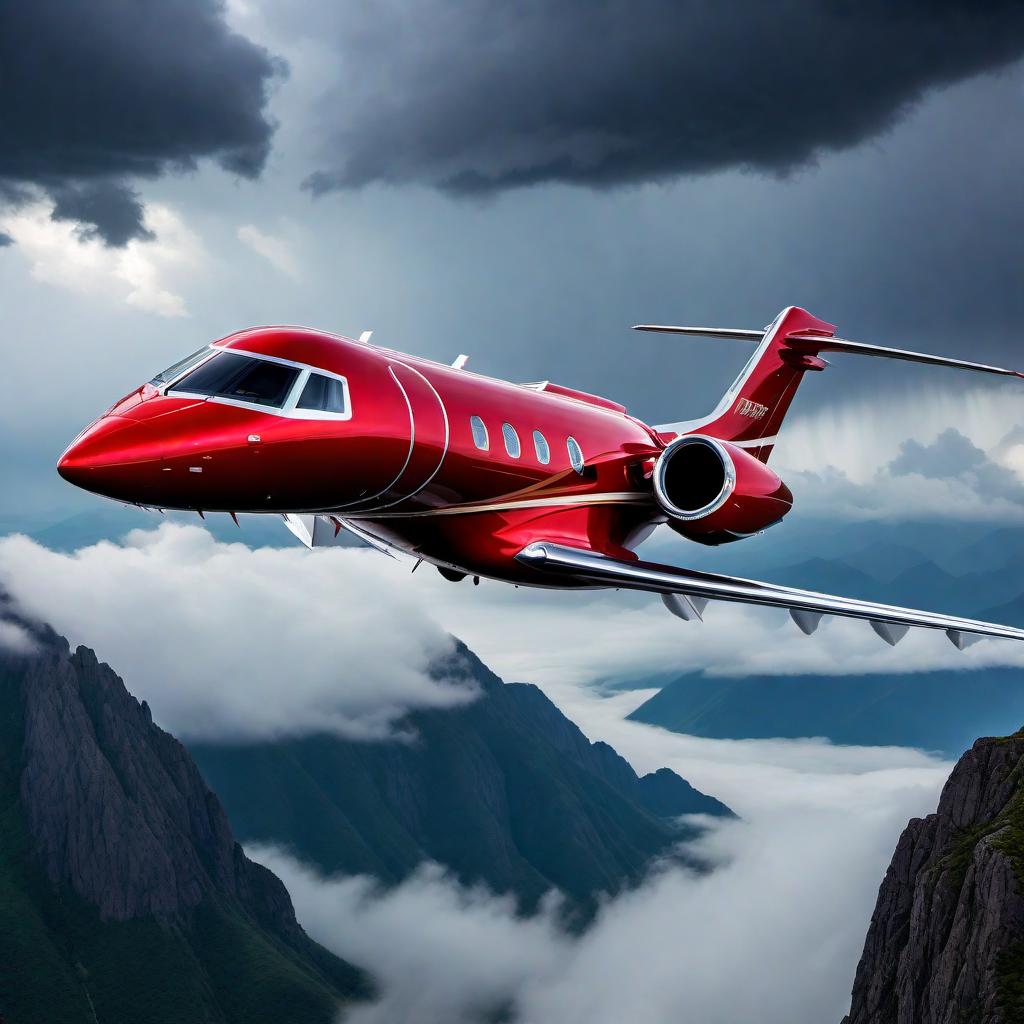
(523, 182)
(519, 183)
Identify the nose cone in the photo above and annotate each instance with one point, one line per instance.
(112, 459)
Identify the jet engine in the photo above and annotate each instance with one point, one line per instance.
(714, 492)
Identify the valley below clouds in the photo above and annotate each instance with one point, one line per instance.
(213, 635)
(772, 933)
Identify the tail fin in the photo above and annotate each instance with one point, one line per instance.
(751, 411)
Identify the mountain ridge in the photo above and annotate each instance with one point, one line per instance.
(123, 893)
(505, 790)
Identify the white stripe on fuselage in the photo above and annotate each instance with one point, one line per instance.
(757, 442)
(619, 498)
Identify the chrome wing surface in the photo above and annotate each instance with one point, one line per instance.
(686, 592)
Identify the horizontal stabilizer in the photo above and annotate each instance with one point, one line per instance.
(812, 343)
(737, 334)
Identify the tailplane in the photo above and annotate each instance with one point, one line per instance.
(751, 412)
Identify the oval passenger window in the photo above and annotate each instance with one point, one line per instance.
(575, 454)
(508, 432)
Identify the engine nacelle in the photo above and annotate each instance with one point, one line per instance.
(715, 492)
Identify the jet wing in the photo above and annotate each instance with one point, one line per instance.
(686, 591)
(325, 531)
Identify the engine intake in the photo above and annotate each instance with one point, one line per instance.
(714, 492)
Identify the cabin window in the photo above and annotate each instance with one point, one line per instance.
(540, 445)
(508, 432)
(479, 429)
(575, 454)
(240, 378)
(323, 394)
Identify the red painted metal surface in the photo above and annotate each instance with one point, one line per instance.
(758, 500)
(405, 464)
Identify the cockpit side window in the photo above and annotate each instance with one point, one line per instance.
(212, 375)
(262, 383)
(240, 378)
(180, 367)
(289, 389)
(323, 394)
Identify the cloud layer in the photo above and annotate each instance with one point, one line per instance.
(230, 643)
(226, 641)
(850, 460)
(484, 96)
(142, 272)
(97, 92)
(772, 935)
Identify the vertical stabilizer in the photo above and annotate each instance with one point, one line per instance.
(751, 411)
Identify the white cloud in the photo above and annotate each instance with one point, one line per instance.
(14, 638)
(442, 952)
(229, 642)
(139, 275)
(835, 459)
(565, 639)
(773, 934)
(273, 248)
(225, 640)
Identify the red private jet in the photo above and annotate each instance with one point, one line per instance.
(530, 484)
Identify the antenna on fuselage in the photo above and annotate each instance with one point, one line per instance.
(460, 361)
(365, 337)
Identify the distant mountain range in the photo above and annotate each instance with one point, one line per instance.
(974, 571)
(505, 791)
(123, 894)
(940, 711)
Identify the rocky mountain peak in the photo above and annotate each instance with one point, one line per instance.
(946, 940)
(120, 876)
(117, 808)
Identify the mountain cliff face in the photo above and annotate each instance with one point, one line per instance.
(946, 941)
(123, 894)
(505, 790)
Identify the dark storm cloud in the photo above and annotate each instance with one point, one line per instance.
(108, 209)
(475, 96)
(93, 92)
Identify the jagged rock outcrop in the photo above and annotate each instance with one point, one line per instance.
(123, 894)
(117, 807)
(946, 941)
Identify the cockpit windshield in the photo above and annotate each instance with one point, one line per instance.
(240, 378)
(180, 367)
